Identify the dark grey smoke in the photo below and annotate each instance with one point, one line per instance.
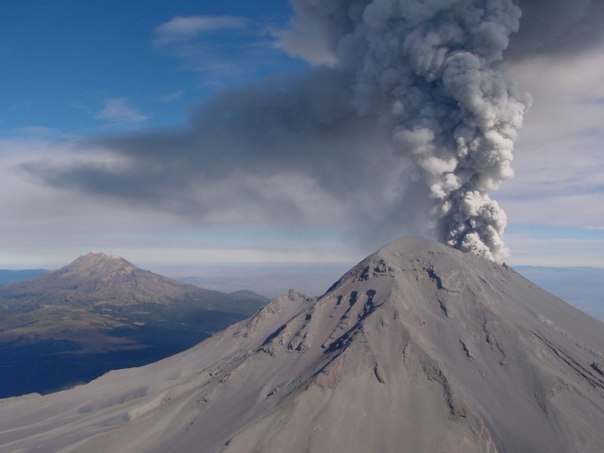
(428, 68)
(285, 152)
(557, 27)
(406, 128)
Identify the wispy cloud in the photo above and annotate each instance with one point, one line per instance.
(41, 131)
(222, 49)
(184, 29)
(119, 111)
(172, 96)
(559, 163)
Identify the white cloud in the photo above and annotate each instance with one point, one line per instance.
(580, 211)
(119, 111)
(40, 131)
(49, 227)
(183, 29)
(529, 249)
(559, 163)
(222, 50)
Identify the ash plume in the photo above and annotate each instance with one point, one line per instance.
(405, 125)
(428, 69)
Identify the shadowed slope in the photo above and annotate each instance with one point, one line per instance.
(419, 348)
(101, 313)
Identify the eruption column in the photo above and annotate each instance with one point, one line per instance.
(431, 65)
(428, 67)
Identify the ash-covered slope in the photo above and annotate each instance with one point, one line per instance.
(419, 348)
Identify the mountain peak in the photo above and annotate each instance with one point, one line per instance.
(419, 347)
(99, 261)
(101, 256)
(98, 277)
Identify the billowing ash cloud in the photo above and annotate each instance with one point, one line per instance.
(431, 68)
(428, 68)
(406, 126)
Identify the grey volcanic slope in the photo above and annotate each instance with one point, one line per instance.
(419, 348)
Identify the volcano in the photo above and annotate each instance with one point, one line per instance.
(418, 348)
(102, 313)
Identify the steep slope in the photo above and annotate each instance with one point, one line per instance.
(100, 313)
(419, 348)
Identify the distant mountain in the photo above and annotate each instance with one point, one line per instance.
(419, 348)
(97, 279)
(11, 276)
(100, 313)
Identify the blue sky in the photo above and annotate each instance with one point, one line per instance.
(78, 75)
(68, 61)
